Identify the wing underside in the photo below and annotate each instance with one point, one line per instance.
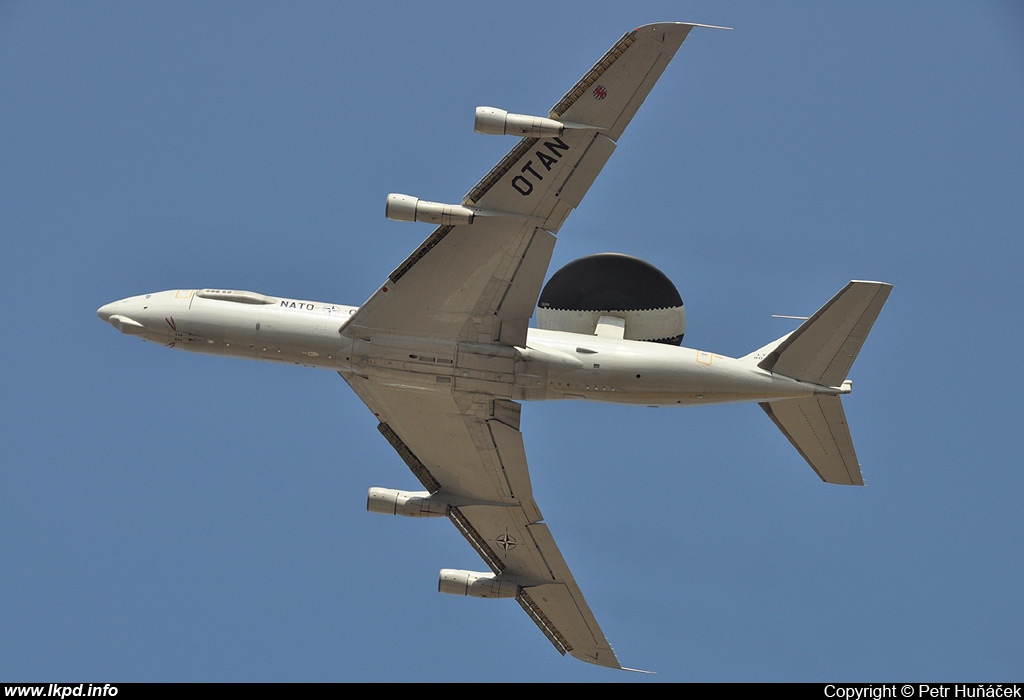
(467, 450)
(433, 349)
(480, 281)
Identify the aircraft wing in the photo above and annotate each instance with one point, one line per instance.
(480, 281)
(466, 449)
(433, 353)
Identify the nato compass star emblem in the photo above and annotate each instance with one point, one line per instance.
(600, 92)
(507, 542)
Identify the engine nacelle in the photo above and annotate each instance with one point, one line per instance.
(402, 207)
(477, 584)
(413, 504)
(498, 122)
(618, 286)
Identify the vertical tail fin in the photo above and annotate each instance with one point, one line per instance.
(823, 348)
(821, 351)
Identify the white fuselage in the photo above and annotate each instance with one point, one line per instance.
(553, 365)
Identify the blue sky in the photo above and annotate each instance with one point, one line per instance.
(168, 516)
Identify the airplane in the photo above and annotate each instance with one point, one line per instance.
(443, 354)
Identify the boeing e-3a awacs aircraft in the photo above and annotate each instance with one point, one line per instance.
(442, 354)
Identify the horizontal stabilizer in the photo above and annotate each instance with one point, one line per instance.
(822, 350)
(818, 430)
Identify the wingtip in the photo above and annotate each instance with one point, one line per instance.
(654, 25)
(639, 670)
(706, 26)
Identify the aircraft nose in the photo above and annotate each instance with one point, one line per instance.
(107, 310)
(123, 323)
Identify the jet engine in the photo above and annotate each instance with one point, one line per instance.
(477, 584)
(581, 297)
(413, 504)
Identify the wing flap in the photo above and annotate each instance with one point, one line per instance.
(508, 443)
(586, 170)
